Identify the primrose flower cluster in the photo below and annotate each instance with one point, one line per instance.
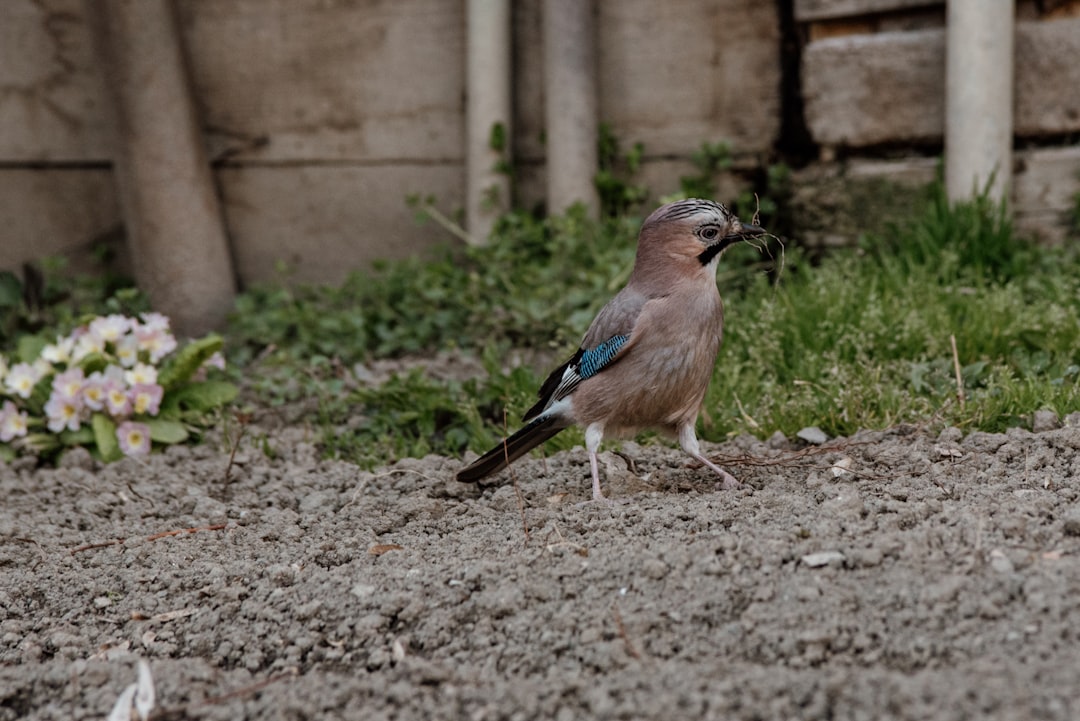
(105, 375)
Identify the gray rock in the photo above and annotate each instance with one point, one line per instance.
(823, 558)
(813, 435)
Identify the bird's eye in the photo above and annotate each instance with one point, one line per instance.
(709, 232)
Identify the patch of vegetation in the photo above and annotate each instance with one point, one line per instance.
(863, 339)
(50, 301)
(859, 340)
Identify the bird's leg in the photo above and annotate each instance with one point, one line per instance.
(593, 435)
(689, 442)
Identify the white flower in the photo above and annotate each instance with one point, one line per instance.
(141, 374)
(87, 343)
(59, 352)
(21, 379)
(110, 328)
(155, 322)
(127, 351)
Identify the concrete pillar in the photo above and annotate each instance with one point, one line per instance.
(979, 97)
(570, 101)
(171, 211)
(489, 67)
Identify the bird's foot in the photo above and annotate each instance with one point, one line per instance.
(729, 482)
(602, 500)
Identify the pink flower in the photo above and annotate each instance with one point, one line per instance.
(12, 422)
(69, 384)
(155, 341)
(94, 391)
(215, 361)
(146, 398)
(117, 401)
(134, 438)
(110, 328)
(63, 412)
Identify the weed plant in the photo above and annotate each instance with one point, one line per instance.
(859, 340)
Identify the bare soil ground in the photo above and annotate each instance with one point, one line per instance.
(893, 575)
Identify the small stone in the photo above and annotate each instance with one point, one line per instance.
(77, 457)
(1072, 522)
(952, 434)
(363, 590)
(1042, 421)
(778, 441)
(822, 558)
(654, 568)
(1000, 562)
(813, 435)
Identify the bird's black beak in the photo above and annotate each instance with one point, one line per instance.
(746, 230)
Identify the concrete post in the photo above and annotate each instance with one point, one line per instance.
(489, 67)
(979, 97)
(171, 212)
(570, 100)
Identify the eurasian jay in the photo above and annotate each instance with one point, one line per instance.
(646, 359)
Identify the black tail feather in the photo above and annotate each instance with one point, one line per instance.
(514, 447)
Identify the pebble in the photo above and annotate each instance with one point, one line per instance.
(813, 435)
(1072, 522)
(822, 558)
(1042, 421)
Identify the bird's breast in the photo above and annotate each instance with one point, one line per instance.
(661, 382)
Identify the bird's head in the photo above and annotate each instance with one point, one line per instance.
(693, 229)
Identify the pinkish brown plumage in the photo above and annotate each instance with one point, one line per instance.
(646, 359)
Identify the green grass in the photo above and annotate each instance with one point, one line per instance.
(863, 340)
(859, 340)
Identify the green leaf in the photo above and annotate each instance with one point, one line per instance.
(105, 437)
(179, 369)
(30, 348)
(163, 430)
(93, 362)
(204, 396)
(81, 437)
(7, 453)
(10, 290)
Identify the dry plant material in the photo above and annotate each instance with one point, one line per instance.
(563, 543)
(381, 548)
(243, 419)
(155, 537)
(181, 531)
(631, 649)
(956, 368)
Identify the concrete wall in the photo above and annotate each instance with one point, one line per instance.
(873, 83)
(323, 115)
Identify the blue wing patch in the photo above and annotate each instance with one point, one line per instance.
(585, 364)
(593, 360)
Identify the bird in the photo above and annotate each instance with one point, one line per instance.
(646, 359)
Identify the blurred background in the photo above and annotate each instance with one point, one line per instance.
(319, 119)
